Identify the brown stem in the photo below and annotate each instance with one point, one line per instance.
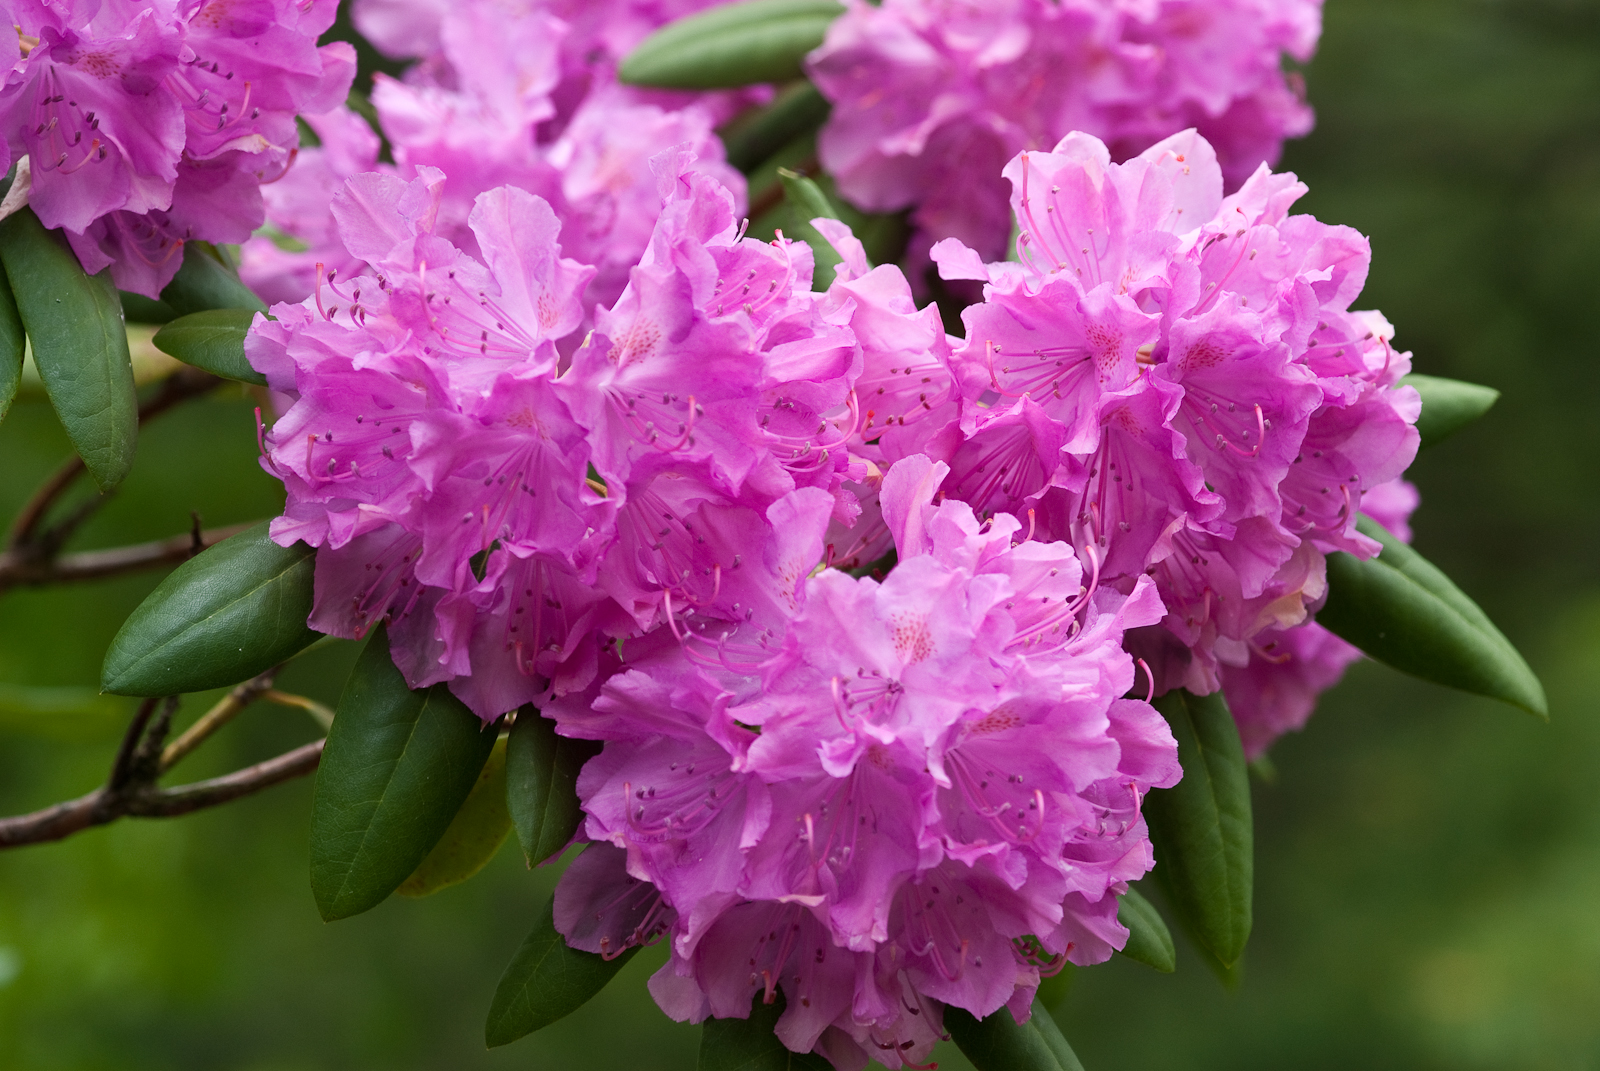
(104, 805)
(30, 570)
(22, 532)
(27, 540)
(218, 716)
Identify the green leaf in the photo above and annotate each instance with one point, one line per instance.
(138, 309)
(80, 345)
(1000, 1043)
(397, 767)
(1448, 405)
(799, 110)
(1149, 941)
(1201, 827)
(806, 203)
(212, 340)
(731, 45)
(1400, 609)
(228, 613)
(204, 282)
(542, 782)
(546, 981)
(750, 1044)
(474, 836)
(13, 343)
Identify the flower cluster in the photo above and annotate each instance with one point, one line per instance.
(865, 617)
(145, 125)
(1173, 381)
(900, 795)
(931, 97)
(519, 94)
(510, 496)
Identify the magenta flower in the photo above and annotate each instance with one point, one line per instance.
(932, 97)
(1276, 690)
(880, 798)
(483, 110)
(1174, 382)
(148, 125)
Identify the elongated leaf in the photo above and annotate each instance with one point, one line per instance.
(138, 309)
(80, 345)
(223, 616)
(750, 1044)
(212, 340)
(797, 111)
(205, 282)
(1401, 610)
(541, 784)
(396, 769)
(731, 45)
(1149, 940)
(1000, 1043)
(12, 344)
(1448, 405)
(1201, 827)
(546, 981)
(474, 836)
(806, 203)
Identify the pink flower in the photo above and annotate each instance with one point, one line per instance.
(887, 797)
(148, 125)
(508, 497)
(483, 109)
(1275, 691)
(1174, 382)
(933, 96)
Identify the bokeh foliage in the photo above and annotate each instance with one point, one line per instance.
(1427, 865)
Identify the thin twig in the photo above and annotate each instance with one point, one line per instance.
(218, 716)
(322, 715)
(27, 540)
(33, 512)
(28, 570)
(103, 805)
(122, 765)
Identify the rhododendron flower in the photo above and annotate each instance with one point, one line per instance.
(1276, 690)
(1174, 382)
(931, 97)
(508, 496)
(889, 797)
(147, 124)
(482, 110)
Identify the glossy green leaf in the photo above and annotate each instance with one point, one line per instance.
(474, 836)
(1201, 827)
(212, 340)
(731, 45)
(13, 343)
(205, 282)
(751, 139)
(1401, 610)
(1149, 940)
(1000, 1043)
(397, 767)
(1448, 405)
(806, 203)
(228, 613)
(138, 309)
(546, 981)
(80, 345)
(750, 1044)
(542, 784)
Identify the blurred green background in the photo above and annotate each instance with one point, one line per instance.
(1428, 865)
